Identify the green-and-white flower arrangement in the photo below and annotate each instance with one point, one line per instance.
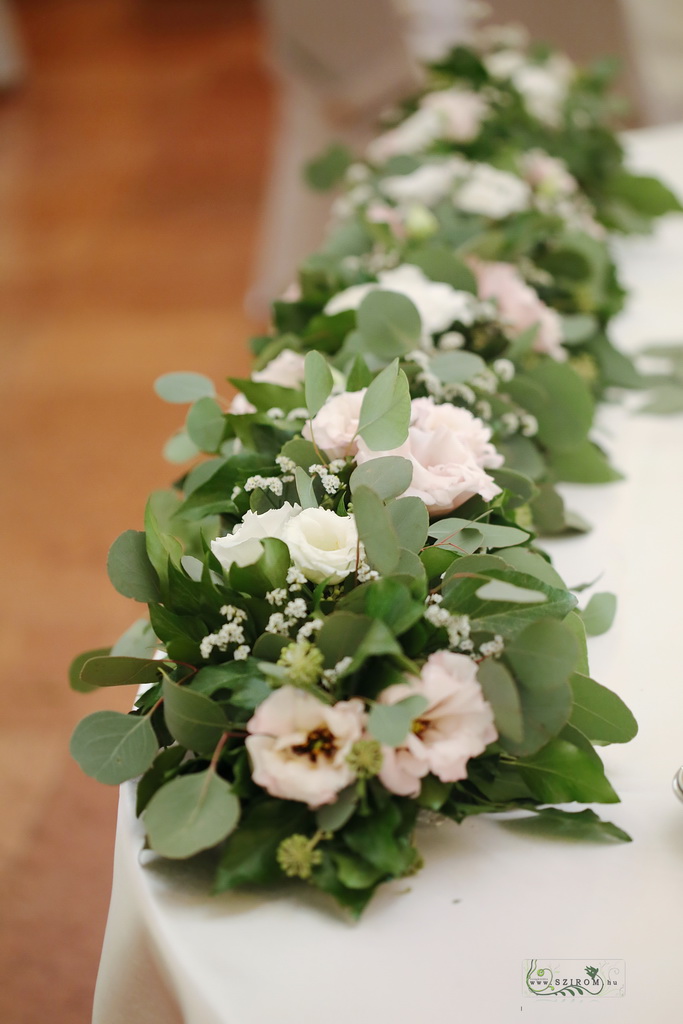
(350, 621)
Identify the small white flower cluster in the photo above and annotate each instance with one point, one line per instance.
(266, 483)
(483, 410)
(230, 633)
(280, 623)
(453, 392)
(286, 464)
(365, 573)
(331, 675)
(485, 381)
(504, 369)
(300, 413)
(492, 648)
(457, 626)
(277, 596)
(309, 628)
(525, 423)
(329, 480)
(451, 341)
(295, 579)
(276, 413)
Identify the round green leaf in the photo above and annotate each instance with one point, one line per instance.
(183, 387)
(180, 448)
(385, 411)
(194, 720)
(191, 813)
(388, 477)
(112, 747)
(206, 424)
(389, 324)
(130, 569)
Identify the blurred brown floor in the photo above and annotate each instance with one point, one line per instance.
(131, 169)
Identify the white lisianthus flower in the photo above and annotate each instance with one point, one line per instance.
(286, 369)
(334, 427)
(322, 544)
(413, 135)
(461, 111)
(298, 745)
(519, 306)
(438, 304)
(456, 725)
(493, 193)
(450, 450)
(543, 87)
(428, 184)
(243, 546)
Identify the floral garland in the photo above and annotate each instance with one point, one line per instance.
(350, 621)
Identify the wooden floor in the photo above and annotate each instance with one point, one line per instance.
(131, 170)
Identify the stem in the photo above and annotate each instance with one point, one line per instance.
(218, 751)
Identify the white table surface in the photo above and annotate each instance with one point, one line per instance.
(448, 945)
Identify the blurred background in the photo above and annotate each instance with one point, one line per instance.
(149, 154)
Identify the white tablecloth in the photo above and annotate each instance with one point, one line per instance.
(449, 944)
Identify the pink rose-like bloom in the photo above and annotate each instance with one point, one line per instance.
(298, 745)
(519, 305)
(450, 450)
(461, 112)
(548, 174)
(456, 725)
(334, 427)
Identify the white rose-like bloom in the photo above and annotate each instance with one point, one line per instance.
(544, 87)
(450, 450)
(461, 112)
(438, 304)
(334, 427)
(519, 306)
(286, 369)
(298, 745)
(416, 133)
(428, 184)
(243, 545)
(493, 193)
(322, 545)
(456, 725)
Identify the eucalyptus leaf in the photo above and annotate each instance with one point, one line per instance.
(376, 530)
(388, 323)
(598, 615)
(318, 382)
(130, 569)
(501, 692)
(120, 671)
(332, 817)
(387, 477)
(551, 821)
(385, 411)
(180, 448)
(446, 531)
(191, 813)
(75, 681)
(390, 723)
(304, 487)
(599, 713)
(561, 773)
(205, 424)
(501, 590)
(195, 721)
(183, 387)
(456, 367)
(410, 519)
(112, 747)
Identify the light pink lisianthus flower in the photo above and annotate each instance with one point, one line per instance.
(519, 305)
(286, 370)
(334, 427)
(450, 450)
(298, 745)
(456, 725)
(547, 174)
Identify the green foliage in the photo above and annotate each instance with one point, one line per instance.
(387, 477)
(205, 425)
(130, 569)
(599, 713)
(385, 411)
(75, 681)
(388, 323)
(559, 399)
(249, 854)
(183, 387)
(376, 530)
(195, 721)
(598, 615)
(119, 671)
(552, 822)
(190, 814)
(439, 263)
(390, 723)
(318, 382)
(329, 168)
(112, 747)
(561, 773)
